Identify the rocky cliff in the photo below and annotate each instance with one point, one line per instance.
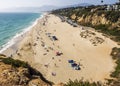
(15, 72)
(93, 19)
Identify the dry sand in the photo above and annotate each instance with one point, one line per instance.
(40, 51)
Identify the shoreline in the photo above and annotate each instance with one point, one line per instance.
(39, 50)
(18, 36)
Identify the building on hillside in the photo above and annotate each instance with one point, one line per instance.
(114, 7)
(109, 8)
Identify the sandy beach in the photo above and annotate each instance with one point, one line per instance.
(51, 44)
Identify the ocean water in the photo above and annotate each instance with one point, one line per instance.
(12, 24)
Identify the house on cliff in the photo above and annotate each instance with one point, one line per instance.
(114, 7)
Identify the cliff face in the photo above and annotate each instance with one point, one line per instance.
(94, 20)
(14, 76)
(94, 15)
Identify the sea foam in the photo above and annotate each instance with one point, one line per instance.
(14, 39)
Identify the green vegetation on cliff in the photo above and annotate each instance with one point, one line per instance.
(14, 63)
(82, 83)
(115, 74)
(113, 16)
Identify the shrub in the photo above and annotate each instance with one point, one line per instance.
(116, 55)
(113, 16)
(116, 73)
(14, 63)
(82, 83)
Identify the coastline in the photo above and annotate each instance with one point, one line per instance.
(38, 49)
(13, 42)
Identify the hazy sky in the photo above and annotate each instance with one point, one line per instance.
(38, 3)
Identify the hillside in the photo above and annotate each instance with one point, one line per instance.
(95, 16)
(16, 72)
